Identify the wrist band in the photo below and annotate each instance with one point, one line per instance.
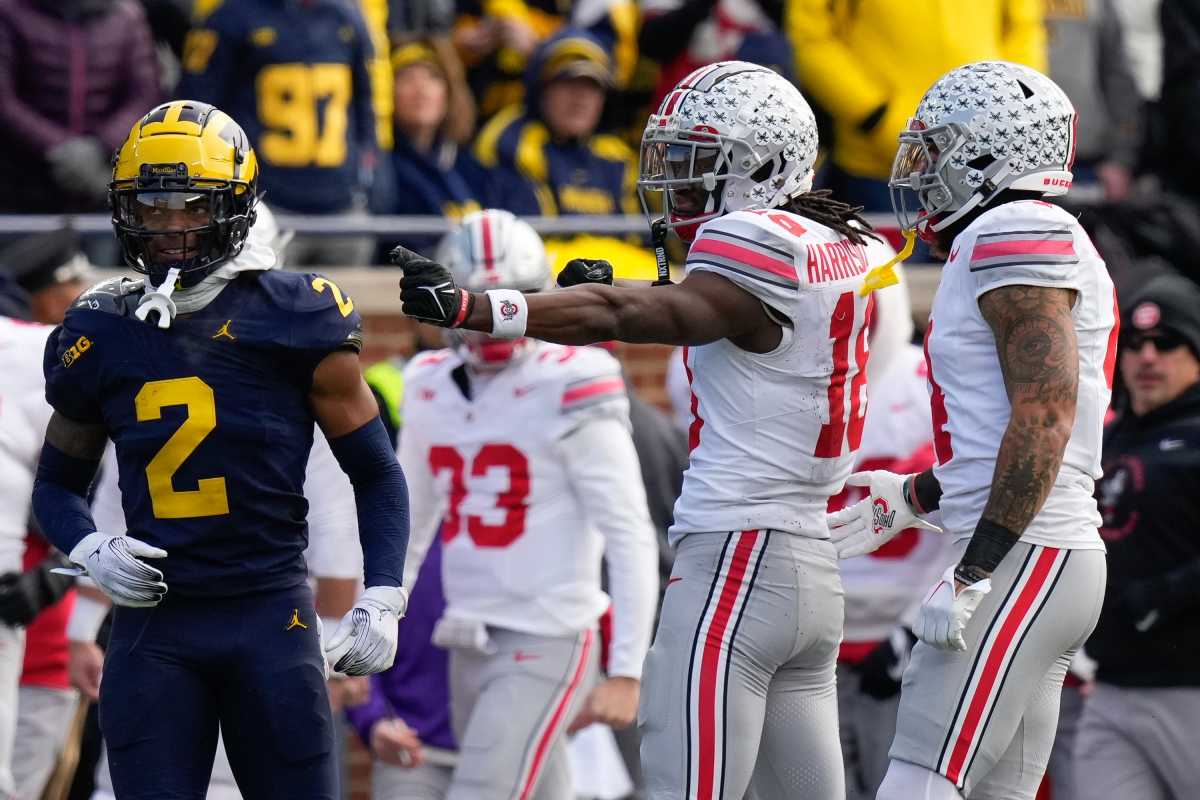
(910, 494)
(466, 302)
(988, 546)
(86, 618)
(510, 312)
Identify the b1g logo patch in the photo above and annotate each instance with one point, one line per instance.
(508, 310)
(882, 517)
(73, 353)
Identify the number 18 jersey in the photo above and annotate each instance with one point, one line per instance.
(773, 434)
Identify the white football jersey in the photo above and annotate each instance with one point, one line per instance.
(530, 481)
(773, 435)
(24, 414)
(898, 437)
(1028, 243)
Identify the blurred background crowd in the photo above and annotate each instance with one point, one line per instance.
(379, 122)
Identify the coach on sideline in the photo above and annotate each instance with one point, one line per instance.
(1137, 734)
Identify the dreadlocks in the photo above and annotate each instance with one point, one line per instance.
(844, 218)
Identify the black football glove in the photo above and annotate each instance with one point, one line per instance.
(883, 667)
(427, 290)
(24, 595)
(586, 270)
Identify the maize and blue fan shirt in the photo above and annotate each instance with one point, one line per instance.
(210, 419)
(295, 78)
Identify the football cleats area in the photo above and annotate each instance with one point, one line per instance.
(729, 136)
(115, 564)
(365, 640)
(875, 520)
(980, 129)
(945, 613)
(183, 192)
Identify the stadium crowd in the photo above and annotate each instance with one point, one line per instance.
(533, 108)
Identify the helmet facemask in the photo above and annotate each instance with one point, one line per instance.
(486, 353)
(921, 197)
(189, 224)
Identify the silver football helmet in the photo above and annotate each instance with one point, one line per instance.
(980, 129)
(492, 249)
(729, 136)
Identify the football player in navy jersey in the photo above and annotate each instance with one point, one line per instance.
(208, 374)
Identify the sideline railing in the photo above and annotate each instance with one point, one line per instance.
(375, 288)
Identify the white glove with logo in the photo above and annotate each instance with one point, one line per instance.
(365, 640)
(873, 521)
(115, 564)
(944, 615)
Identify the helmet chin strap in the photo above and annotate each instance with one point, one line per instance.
(975, 200)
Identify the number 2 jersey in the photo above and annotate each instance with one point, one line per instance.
(210, 419)
(532, 474)
(773, 434)
(1026, 243)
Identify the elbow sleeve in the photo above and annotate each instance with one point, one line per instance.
(367, 457)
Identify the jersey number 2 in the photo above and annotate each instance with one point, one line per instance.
(512, 500)
(208, 499)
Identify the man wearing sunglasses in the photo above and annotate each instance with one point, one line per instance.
(1135, 733)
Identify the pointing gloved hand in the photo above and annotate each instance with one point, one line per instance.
(427, 290)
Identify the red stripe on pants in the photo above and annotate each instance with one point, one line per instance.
(991, 667)
(714, 641)
(560, 710)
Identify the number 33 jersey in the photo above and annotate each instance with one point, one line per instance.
(210, 419)
(1026, 243)
(533, 477)
(773, 435)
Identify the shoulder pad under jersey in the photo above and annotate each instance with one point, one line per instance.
(118, 296)
(319, 315)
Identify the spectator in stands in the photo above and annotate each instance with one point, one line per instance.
(1177, 119)
(867, 64)
(497, 39)
(1136, 736)
(1089, 60)
(74, 76)
(296, 77)
(682, 35)
(428, 172)
(51, 269)
(548, 156)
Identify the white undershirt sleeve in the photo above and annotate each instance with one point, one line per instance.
(603, 468)
(425, 506)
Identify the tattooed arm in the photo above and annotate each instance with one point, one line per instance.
(1035, 340)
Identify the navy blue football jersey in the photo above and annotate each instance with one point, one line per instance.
(210, 418)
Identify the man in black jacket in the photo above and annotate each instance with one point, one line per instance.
(1136, 737)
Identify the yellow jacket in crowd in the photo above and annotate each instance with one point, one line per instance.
(855, 57)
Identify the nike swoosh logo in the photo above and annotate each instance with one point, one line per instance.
(673, 580)
(521, 391)
(520, 656)
(954, 254)
(1170, 444)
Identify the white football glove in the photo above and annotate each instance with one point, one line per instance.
(115, 564)
(873, 521)
(365, 640)
(944, 615)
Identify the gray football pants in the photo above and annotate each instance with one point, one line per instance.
(1138, 743)
(985, 718)
(510, 708)
(738, 692)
